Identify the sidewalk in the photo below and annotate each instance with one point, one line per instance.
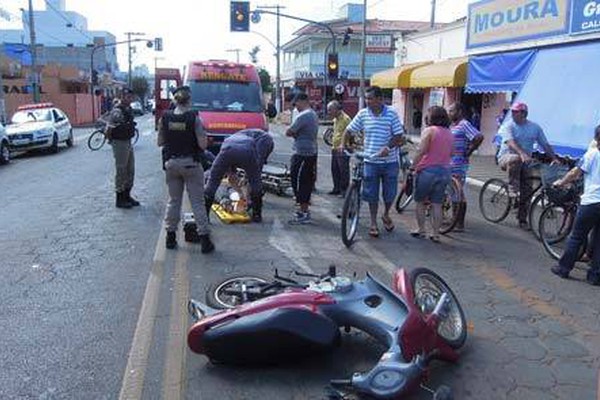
(483, 168)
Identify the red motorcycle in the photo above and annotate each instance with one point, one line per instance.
(266, 321)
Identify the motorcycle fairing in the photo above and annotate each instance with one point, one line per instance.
(270, 336)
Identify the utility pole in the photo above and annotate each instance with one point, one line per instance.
(432, 13)
(278, 99)
(361, 99)
(237, 53)
(129, 35)
(34, 70)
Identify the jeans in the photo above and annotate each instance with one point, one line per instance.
(588, 217)
(380, 174)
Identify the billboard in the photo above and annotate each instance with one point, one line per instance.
(585, 16)
(492, 22)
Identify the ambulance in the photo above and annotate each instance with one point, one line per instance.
(227, 97)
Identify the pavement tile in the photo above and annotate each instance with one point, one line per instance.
(570, 392)
(529, 349)
(551, 327)
(569, 372)
(531, 374)
(518, 329)
(563, 347)
(524, 393)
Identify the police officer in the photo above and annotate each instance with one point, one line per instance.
(247, 149)
(183, 140)
(119, 131)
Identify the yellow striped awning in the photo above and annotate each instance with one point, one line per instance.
(448, 73)
(394, 78)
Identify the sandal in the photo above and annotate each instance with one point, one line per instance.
(388, 224)
(373, 232)
(435, 238)
(417, 234)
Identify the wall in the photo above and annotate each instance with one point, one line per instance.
(432, 45)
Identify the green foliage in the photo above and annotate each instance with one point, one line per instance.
(265, 80)
(140, 86)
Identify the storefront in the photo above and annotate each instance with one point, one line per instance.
(554, 72)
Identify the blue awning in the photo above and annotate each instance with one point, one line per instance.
(18, 52)
(563, 95)
(503, 72)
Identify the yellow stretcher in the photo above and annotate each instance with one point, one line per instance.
(230, 217)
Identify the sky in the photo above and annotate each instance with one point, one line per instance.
(199, 29)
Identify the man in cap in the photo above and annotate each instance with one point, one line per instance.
(119, 131)
(519, 135)
(247, 149)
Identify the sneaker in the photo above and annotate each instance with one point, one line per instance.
(206, 243)
(300, 219)
(558, 271)
(334, 193)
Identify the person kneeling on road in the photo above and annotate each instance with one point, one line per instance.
(247, 149)
(183, 140)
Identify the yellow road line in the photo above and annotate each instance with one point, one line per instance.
(133, 378)
(173, 377)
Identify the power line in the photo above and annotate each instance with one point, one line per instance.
(69, 23)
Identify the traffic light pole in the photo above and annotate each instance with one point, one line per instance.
(34, 73)
(278, 95)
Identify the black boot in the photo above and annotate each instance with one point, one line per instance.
(462, 212)
(257, 209)
(171, 241)
(206, 243)
(133, 201)
(122, 200)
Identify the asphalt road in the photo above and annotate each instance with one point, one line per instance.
(94, 306)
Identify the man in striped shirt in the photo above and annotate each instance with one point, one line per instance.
(383, 133)
(466, 140)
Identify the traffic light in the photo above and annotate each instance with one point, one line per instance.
(346, 39)
(333, 66)
(94, 77)
(158, 45)
(240, 16)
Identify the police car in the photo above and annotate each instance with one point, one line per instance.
(39, 126)
(4, 146)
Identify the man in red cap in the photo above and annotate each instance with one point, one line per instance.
(519, 135)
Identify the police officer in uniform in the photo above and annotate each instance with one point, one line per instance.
(119, 131)
(183, 140)
(247, 149)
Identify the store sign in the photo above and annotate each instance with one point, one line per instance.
(436, 97)
(378, 44)
(309, 75)
(506, 21)
(585, 16)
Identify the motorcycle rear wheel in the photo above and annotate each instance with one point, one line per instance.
(229, 292)
(428, 288)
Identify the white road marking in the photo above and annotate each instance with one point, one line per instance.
(281, 240)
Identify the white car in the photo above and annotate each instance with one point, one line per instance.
(4, 146)
(39, 126)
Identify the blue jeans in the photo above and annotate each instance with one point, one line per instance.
(588, 217)
(431, 184)
(385, 174)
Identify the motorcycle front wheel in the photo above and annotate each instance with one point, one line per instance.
(239, 289)
(428, 288)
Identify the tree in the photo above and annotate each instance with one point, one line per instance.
(254, 54)
(265, 80)
(140, 86)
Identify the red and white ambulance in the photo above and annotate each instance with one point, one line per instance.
(227, 96)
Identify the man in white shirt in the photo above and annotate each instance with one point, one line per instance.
(588, 215)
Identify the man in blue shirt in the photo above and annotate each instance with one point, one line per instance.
(383, 133)
(519, 136)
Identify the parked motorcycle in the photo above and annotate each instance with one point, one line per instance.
(268, 320)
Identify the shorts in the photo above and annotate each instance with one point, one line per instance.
(431, 184)
(376, 174)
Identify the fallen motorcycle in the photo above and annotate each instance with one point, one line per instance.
(269, 320)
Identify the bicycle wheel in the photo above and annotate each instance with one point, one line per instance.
(350, 214)
(328, 136)
(449, 211)
(405, 195)
(494, 201)
(539, 203)
(236, 290)
(136, 137)
(555, 225)
(96, 140)
(428, 288)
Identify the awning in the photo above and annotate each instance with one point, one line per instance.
(395, 77)
(563, 95)
(449, 73)
(504, 72)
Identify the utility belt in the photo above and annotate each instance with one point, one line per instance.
(166, 157)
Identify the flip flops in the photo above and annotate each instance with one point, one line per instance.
(388, 224)
(373, 232)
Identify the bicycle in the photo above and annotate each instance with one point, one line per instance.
(495, 201)
(97, 138)
(405, 194)
(352, 200)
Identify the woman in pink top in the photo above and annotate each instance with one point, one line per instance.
(433, 169)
